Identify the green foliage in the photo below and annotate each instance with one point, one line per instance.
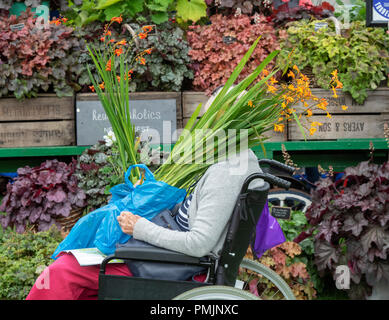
(166, 69)
(98, 171)
(360, 55)
(22, 258)
(352, 10)
(297, 229)
(33, 60)
(158, 11)
(168, 65)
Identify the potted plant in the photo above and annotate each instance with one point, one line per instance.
(360, 55)
(351, 216)
(42, 196)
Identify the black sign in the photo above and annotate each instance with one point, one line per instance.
(281, 212)
(229, 39)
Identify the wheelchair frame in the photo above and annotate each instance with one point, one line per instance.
(244, 217)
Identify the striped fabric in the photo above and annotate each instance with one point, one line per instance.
(182, 214)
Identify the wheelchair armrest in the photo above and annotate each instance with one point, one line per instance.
(154, 254)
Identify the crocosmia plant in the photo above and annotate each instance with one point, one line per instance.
(112, 86)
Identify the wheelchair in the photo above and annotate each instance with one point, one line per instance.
(230, 277)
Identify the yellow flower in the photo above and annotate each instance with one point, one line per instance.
(344, 108)
(328, 115)
(279, 127)
(334, 91)
(309, 113)
(315, 123)
(312, 131)
(271, 89)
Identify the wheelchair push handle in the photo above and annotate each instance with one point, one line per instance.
(273, 180)
(278, 165)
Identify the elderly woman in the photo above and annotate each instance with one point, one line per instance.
(203, 216)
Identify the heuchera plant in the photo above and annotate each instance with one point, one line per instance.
(306, 10)
(36, 58)
(360, 55)
(352, 219)
(217, 48)
(283, 259)
(41, 194)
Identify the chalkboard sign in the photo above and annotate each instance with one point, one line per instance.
(155, 118)
(281, 212)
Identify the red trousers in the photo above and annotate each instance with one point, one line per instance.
(65, 279)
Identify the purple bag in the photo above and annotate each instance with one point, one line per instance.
(268, 233)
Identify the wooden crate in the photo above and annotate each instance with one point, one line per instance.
(191, 100)
(43, 121)
(357, 122)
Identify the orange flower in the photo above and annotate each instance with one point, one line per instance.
(119, 51)
(112, 41)
(296, 68)
(102, 39)
(250, 103)
(117, 19)
(108, 33)
(344, 108)
(147, 28)
(148, 51)
(309, 113)
(118, 78)
(102, 86)
(291, 74)
(108, 66)
(334, 73)
(92, 88)
(64, 19)
(142, 35)
(265, 72)
(122, 42)
(312, 131)
(57, 22)
(141, 60)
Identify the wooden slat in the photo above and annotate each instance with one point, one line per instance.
(343, 127)
(191, 100)
(376, 102)
(272, 135)
(33, 134)
(44, 107)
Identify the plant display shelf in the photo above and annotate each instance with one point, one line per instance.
(13, 158)
(339, 154)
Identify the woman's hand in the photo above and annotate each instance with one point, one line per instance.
(127, 222)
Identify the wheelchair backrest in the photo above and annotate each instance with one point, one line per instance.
(244, 218)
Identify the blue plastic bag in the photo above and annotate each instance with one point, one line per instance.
(100, 228)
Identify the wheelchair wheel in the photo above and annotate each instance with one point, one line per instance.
(296, 199)
(258, 283)
(216, 293)
(263, 282)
